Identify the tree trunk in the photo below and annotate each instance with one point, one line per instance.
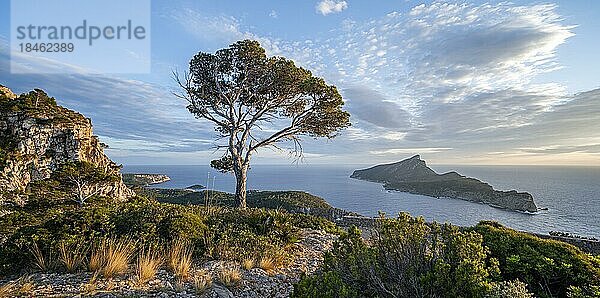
(240, 187)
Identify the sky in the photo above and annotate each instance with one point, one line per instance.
(458, 82)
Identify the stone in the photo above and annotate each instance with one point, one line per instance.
(41, 140)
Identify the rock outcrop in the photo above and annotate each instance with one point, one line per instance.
(37, 136)
(137, 180)
(414, 176)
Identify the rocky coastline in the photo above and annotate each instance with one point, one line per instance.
(144, 179)
(412, 175)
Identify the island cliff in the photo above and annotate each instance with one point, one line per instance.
(412, 175)
(37, 137)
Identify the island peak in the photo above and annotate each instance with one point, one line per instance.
(414, 176)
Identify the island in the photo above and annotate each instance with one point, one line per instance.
(412, 175)
(141, 180)
(196, 187)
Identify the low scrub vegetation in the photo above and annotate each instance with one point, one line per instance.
(407, 257)
(202, 281)
(550, 268)
(230, 277)
(59, 235)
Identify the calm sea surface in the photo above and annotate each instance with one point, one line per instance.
(571, 194)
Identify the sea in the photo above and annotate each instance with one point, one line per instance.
(570, 194)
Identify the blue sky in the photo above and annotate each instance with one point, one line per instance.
(459, 82)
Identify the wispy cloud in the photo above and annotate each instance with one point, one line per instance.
(397, 151)
(326, 7)
(453, 81)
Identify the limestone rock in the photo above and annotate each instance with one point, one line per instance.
(37, 136)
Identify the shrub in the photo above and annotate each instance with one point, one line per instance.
(326, 285)
(549, 267)
(112, 257)
(509, 289)
(267, 264)
(248, 263)
(408, 258)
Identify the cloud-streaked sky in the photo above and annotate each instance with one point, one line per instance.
(459, 82)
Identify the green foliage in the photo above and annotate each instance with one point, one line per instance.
(409, 258)
(326, 285)
(243, 93)
(44, 108)
(509, 289)
(549, 267)
(216, 232)
(590, 291)
(291, 201)
(223, 164)
(81, 179)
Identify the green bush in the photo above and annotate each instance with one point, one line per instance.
(215, 232)
(549, 267)
(509, 289)
(326, 285)
(407, 257)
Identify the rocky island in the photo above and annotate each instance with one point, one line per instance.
(412, 175)
(138, 179)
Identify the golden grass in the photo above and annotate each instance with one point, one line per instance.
(230, 276)
(148, 263)
(90, 288)
(111, 257)
(8, 289)
(267, 264)
(248, 264)
(20, 287)
(179, 258)
(72, 256)
(39, 260)
(202, 282)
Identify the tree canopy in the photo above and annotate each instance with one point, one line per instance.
(257, 101)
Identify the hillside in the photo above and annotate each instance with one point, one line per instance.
(414, 176)
(39, 137)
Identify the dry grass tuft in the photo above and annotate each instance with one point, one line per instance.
(148, 263)
(267, 264)
(21, 287)
(179, 258)
(111, 258)
(72, 256)
(40, 261)
(248, 264)
(90, 288)
(202, 282)
(8, 289)
(26, 286)
(230, 276)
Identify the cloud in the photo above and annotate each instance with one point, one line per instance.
(326, 7)
(371, 106)
(397, 151)
(221, 30)
(458, 82)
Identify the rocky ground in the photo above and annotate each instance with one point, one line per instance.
(255, 282)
